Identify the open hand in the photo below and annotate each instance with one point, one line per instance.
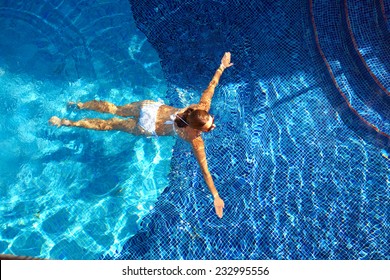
(225, 61)
(219, 205)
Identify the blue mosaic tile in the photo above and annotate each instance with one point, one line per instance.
(288, 185)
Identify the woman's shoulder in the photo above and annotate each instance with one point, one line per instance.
(188, 134)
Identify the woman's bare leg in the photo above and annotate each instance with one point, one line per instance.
(128, 110)
(128, 125)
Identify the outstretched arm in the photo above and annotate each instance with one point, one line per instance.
(200, 154)
(205, 100)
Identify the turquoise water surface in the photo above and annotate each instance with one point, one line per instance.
(70, 193)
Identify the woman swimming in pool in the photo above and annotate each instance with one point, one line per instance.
(153, 118)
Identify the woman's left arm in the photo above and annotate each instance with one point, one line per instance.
(200, 154)
(207, 95)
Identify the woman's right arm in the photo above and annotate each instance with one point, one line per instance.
(200, 154)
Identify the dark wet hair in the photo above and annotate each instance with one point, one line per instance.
(194, 118)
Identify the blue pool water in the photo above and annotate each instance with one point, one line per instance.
(300, 156)
(70, 194)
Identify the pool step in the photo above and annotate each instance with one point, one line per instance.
(383, 14)
(385, 8)
(369, 42)
(363, 97)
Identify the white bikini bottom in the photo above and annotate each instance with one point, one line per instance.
(148, 116)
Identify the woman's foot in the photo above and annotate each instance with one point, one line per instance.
(78, 105)
(55, 121)
(58, 122)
